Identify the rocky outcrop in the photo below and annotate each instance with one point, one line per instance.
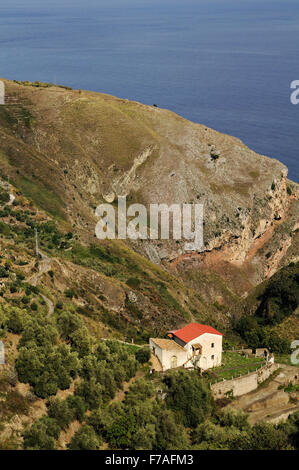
(95, 147)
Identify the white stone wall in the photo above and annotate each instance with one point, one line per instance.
(165, 356)
(181, 357)
(156, 350)
(245, 384)
(206, 340)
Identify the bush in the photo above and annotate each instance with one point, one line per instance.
(42, 434)
(133, 282)
(85, 439)
(61, 412)
(3, 272)
(143, 355)
(4, 196)
(77, 405)
(16, 320)
(69, 293)
(189, 396)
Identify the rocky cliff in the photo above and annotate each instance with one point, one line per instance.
(71, 150)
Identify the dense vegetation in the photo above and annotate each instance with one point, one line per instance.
(274, 301)
(257, 336)
(175, 411)
(101, 392)
(281, 296)
(144, 420)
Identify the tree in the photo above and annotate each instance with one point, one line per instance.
(40, 331)
(42, 434)
(169, 434)
(120, 432)
(100, 420)
(233, 418)
(47, 369)
(77, 405)
(189, 396)
(16, 320)
(68, 323)
(264, 436)
(85, 439)
(144, 438)
(91, 392)
(61, 412)
(81, 342)
(139, 391)
(143, 355)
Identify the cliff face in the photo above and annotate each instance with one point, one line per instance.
(71, 150)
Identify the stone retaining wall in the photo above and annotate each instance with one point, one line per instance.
(242, 385)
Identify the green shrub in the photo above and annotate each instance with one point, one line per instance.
(3, 272)
(189, 396)
(42, 434)
(85, 439)
(143, 355)
(4, 196)
(133, 282)
(61, 412)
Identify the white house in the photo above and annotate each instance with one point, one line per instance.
(195, 345)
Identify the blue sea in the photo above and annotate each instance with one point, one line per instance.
(227, 64)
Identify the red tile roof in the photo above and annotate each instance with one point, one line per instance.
(193, 330)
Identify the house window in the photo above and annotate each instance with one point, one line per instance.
(212, 345)
(213, 357)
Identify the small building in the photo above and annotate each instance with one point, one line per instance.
(194, 346)
(262, 352)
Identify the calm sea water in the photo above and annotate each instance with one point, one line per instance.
(225, 63)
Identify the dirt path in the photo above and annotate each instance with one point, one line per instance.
(124, 342)
(49, 303)
(269, 403)
(66, 436)
(44, 267)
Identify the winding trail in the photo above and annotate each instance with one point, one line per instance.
(44, 267)
(49, 303)
(123, 342)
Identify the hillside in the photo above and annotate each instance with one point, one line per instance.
(62, 152)
(71, 150)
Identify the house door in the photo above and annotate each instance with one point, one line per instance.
(174, 362)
